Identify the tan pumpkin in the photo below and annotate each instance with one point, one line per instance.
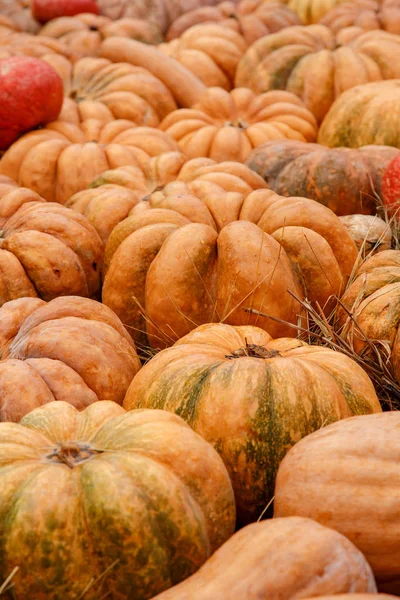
(346, 476)
(367, 14)
(64, 158)
(85, 32)
(7, 26)
(311, 11)
(251, 18)
(252, 398)
(370, 233)
(210, 51)
(122, 505)
(228, 126)
(32, 45)
(365, 114)
(280, 558)
(19, 12)
(318, 66)
(46, 250)
(194, 259)
(71, 349)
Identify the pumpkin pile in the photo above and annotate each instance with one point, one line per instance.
(199, 299)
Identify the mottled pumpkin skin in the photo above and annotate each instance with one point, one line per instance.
(366, 114)
(318, 66)
(138, 497)
(347, 477)
(70, 349)
(346, 181)
(280, 558)
(252, 409)
(234, 250)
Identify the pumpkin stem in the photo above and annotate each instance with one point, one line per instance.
(72, 453)
(253, 351)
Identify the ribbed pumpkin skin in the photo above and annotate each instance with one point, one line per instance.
(311, 11)
(344, 180)
(137, 493)
(279, 558)
(19, 12)
(251, 409)
(366, 14)
(318, 66)
(357, 597)
(366, 114)
(347, 477)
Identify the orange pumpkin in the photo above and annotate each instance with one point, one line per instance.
(311, 11)
(366, 14)
(318, 66)
(121, 505)
(19, 12)
(30, 45)
(71, 349)
(227, 126)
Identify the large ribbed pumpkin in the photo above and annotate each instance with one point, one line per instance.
(311, 11)
(252, 398)
(117, 505)
(201, 255)
(280, 558)
(70, 349)
(347, 181)
(366, 114)
(347, 477)
(317, 65)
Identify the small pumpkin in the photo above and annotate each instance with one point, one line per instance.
(366, 14)
(370, 233)
(281, 558)
(252, 398)
(365, 114)
(346, 181)
(119, 504)
(17, 44)
(346, 476)
(228, 126)
(311, 11)
(318, 66)
(19, 12)
(71, 349)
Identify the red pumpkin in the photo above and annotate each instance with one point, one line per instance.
(45, 10)
(31, 94)
(391, 187)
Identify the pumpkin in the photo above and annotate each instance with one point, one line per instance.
(30, 45)
(46, 250)
(347, 181)
(46, 10)
(119, 504)
(252, 398)
(115, 193)
(356, 597)
(71, 349)
(7, 26)
(227, 126)
(366, 114)
(281, 558)
(311, 11)
(211, 51)
(251, 18)
(346, 476)
(370, 233)
(367, 14)
(19, 12)
(84, 33)
(391, 187)
(199, 259)
(75, 154)
(318, 66)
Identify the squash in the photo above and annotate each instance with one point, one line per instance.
(19, 12)
(357, 597)
(252, 398)
(370, 233)
(46, 250)
(346, 476)
(65, 157)
(118, 504)
(366, 14)
(311, 11)
(391, 187)
(228, 126)
(318, 66)
(365, 114)
(346, 181)
(200, 255)
(70, 349)
(281, 558)
(17, 43)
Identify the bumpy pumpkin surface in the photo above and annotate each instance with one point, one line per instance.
(234, 251)
(311, 11)
(19, 12)
(347, 477)
(46, 250)
(71, 349)
(227, 126)
(367, 14)
(347, 181)
(280, 558)
(366, 114)
(31, 45)
(252, 398)
(64, 158)
(318, 66)
(119, 504)
(370, 233)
